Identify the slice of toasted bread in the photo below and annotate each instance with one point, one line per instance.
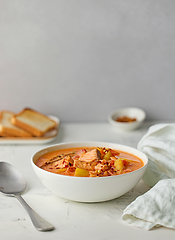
(9, 130)
(34, 122)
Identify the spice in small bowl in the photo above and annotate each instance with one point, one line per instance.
(125, 119)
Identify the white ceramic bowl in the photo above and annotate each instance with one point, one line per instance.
(137, 113)
(93, 189)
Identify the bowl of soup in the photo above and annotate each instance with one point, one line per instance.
(89, 171)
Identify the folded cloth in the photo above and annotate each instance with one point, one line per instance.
(154, 208)
(157, 206)
(159, 146)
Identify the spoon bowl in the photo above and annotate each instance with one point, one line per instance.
(12, 183)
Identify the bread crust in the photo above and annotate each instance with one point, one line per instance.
(18, 120)
(4, 135)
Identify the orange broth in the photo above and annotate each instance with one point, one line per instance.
(89, 162)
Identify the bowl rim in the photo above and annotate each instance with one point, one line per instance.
(145, 161)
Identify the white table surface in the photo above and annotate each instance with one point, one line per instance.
(72, 220)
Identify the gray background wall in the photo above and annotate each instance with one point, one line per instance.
(81, 59)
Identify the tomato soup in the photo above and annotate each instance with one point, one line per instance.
(89, 162)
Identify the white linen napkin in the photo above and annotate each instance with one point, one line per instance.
(157, 206)
(159, 146)
(154, 208)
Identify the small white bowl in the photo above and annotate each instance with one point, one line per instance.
(137, 113)
(89, 189)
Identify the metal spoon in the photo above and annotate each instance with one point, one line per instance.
(12, 183)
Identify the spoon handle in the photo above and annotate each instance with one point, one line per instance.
(38, 222)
